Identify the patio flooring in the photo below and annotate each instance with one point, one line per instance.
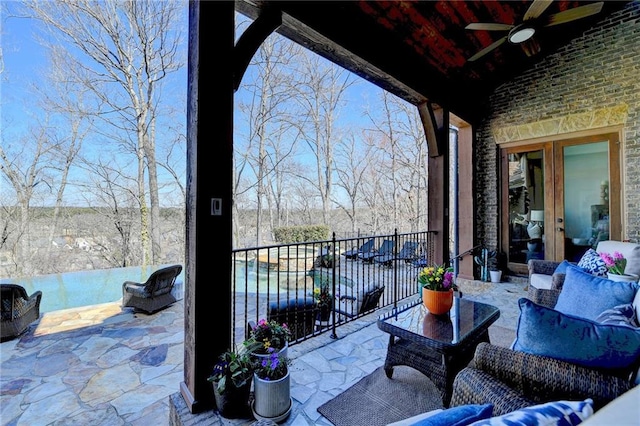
(104, 365)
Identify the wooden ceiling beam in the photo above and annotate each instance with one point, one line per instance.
(433, 123)
(267, 22)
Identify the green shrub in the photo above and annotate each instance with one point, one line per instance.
(301, 234)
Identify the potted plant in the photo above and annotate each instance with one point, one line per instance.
(437, 288)
(268, 336)
(231, 380)
(324, 301)
(272, 387)
(616, 264)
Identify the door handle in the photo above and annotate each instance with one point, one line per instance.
(559, 229)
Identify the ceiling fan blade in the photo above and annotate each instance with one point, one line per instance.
(573, 14)
(536, 9)
(487, 49)
(489, 26)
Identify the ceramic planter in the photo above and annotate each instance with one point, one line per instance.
(624, 277)
(437, 302)
(272, 398)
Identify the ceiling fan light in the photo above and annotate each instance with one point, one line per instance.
(522, 34)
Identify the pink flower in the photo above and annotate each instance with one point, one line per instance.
(615, 264)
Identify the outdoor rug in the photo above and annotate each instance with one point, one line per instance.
(377, 400)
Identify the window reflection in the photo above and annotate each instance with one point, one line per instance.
(526, 206)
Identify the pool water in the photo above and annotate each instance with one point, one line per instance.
(92, 287)
(83, 288)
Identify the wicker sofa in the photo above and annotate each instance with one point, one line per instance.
(511, 380)
(545, 285)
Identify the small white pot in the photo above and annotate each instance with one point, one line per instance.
(496, 276)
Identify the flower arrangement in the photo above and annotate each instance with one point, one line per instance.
(267, 335)
(322, 296)
(273, 367)
(233, 367)
(615, 263)
(437, 278)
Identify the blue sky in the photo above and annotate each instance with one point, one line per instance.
(25, 61)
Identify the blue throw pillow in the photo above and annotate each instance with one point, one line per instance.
(565, 413)
(458, 416)
(587, 296)
(547, 332)
(562, 267)
(593, 263)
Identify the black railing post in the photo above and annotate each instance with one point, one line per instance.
(334, 335)
(395, 269)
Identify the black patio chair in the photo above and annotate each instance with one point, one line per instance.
(19, 310)
(298, 313)
(154, 294)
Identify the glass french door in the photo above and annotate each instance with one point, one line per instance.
(560, 198)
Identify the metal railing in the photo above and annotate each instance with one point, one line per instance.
(278, 281)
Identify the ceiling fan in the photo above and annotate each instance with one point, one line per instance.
(522, 33)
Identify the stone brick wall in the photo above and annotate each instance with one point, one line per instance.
(600, 69)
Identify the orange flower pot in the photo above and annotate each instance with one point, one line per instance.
(437, 302)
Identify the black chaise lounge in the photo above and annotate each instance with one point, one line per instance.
(367, 247)
(154, 294)
(408, 253)
(386, 248)
(19, 310)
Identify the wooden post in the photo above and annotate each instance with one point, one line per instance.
(207, 304)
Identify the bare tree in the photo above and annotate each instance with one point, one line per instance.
(320, 96)
(24, 167)
(122, 52)
(351, 165)
(266, 147)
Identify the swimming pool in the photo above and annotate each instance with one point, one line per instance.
(92, 287)
(83, 288)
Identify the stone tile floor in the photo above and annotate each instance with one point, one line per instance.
(107, 366)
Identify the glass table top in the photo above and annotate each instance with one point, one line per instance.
(466, 318)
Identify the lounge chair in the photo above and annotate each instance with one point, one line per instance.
(408, 252)
(298, 313)
(364, 248)
(19, 310)
(386, 248)
(356, 301)
(154, 294)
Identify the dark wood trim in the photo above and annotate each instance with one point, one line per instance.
(208, 257)
(466, 200)
(434, 129)
(438, 193)
(269, 19)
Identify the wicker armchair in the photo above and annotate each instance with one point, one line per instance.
(19, 310)
(544, 296)
(154, 294)
(511, 380)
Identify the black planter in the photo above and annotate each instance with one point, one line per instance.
(234, 402)
(324, 313)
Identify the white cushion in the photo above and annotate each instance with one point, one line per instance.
(631, 252)
(540, 281)
(624, 410)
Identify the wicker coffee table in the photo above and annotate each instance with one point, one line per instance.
(437, 346)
